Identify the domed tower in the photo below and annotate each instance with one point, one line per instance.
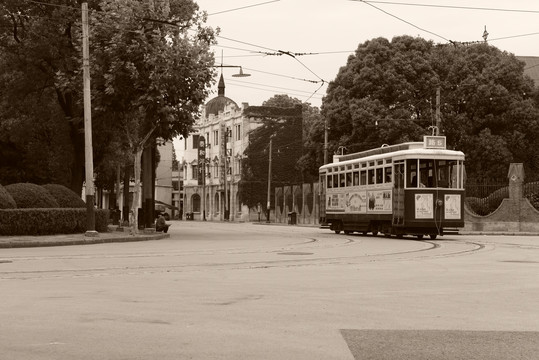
(219, 102)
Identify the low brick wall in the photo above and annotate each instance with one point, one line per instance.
(513, 215)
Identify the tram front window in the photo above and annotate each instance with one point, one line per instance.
(432, 173)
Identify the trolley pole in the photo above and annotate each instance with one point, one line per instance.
(88, 149)
(269, 184)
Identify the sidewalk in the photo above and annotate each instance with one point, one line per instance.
(77, 239)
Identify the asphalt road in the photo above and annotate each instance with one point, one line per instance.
(248, 291)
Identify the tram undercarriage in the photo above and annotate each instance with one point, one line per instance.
(383, 226)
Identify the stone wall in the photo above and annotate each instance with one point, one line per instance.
(514, 215)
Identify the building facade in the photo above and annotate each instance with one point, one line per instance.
(226, 133)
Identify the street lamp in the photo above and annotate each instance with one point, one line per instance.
(241, 74)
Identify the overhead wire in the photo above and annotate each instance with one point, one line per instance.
(401, 19)
(243, 7)
(451, 6)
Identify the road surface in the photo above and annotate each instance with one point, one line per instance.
(255, 291)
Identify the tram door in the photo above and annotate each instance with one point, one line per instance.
(322, 198)
(398, 193)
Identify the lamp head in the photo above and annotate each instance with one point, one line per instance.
(241, 74)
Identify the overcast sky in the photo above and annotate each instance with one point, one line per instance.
(252, 30)
(331, 30)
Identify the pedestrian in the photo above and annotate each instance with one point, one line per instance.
(161, 225)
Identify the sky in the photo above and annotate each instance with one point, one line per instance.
(254, 32)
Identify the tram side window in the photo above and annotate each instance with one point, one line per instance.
(356, 178)
(380, 175)
(363, 177)
(371, 178)
(447, 173)
(342, 179)
(388, 171)
(329, 181)
(411, 173)
(348, 179)
(335, 180)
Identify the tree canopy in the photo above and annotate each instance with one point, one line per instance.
(386, 94)
(280, 120)
(150, 71)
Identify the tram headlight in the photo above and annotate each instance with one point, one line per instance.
(439, 202)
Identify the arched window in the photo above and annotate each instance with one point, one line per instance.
(195, 200)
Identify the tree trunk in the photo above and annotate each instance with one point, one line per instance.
(133, 215)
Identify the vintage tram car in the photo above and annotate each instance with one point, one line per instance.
(414, 188)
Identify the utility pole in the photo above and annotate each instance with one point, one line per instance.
(88, 149)
(227, 211)
(325, 140)
(269, 184)
(438, 120)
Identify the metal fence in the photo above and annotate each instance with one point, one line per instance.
(484, 196)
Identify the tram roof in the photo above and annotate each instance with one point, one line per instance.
(400, 151)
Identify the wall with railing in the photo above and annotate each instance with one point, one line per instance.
(508, 208)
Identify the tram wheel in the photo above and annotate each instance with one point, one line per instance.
(374, 233)
(337, 231)
(347, 232)
(419, 237)
(433, 236)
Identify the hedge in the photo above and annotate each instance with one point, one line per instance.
(65, 197)
(6, 200)
(49, 221)
(31, 196)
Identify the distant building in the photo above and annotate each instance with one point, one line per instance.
(226, 132)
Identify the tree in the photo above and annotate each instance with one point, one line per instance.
(37, 43)
(150, 68)
(386, 95)
(282, 123)
(151, 75)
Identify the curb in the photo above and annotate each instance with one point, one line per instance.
(84, 241)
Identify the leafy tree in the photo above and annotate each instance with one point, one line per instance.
(150, 71)
(38, 44)
(386, 93)
(281, 121)
(152, 75)
(150, 67)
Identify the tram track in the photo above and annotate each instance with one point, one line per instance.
(298, 256)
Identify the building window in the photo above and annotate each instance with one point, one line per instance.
(194, 172)
(175, 185)
(195, 141)
(238, 132)
(216, 137)
(195, 201)
(216, 170)
(207, 138)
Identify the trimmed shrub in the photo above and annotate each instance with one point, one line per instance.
(31, 196)
(49, 221)
(6, 200)
(65, 197)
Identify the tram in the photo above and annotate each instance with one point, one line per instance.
(414, 188)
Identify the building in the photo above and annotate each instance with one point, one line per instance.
(177, 191)
(226, 134)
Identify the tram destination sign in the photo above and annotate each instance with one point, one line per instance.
(434, 142)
